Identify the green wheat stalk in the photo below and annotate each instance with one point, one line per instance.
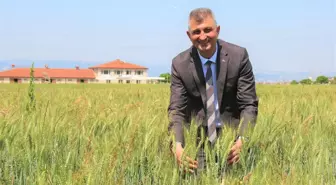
(31, 91)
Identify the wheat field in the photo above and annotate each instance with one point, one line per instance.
(117, 134)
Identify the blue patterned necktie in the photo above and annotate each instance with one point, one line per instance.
(211, 121)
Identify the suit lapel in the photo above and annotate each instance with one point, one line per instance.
(222, 62)
(197, 70)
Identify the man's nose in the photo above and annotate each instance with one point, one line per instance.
(202, 36)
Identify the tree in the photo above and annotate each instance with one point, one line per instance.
(294, 82)
(322, 80)
(306, 81)
(166, 76)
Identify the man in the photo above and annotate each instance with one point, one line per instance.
(222, 94)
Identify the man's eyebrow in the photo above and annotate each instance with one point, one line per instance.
(194, 30)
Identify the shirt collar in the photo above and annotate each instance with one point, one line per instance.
(213, 58)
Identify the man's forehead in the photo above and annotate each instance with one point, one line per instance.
(200, 19)
(194, 24)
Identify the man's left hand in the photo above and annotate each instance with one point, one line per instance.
(235, 151)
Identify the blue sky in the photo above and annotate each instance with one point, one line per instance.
(289, 36)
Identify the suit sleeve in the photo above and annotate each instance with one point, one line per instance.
(177, 106)
(246, 95)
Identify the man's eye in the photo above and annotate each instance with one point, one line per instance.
(207, 30)
(196, 32)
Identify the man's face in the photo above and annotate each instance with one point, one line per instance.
(204, 35)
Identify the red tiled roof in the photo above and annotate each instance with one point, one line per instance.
(118, 64)
(51, 73)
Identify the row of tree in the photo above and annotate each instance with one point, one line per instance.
(166, 76)
(319, 80)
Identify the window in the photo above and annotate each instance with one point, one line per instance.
(138, 81)
(120, 81)
(108, 81)
(69, 80)
(118, 72)
(128, 72)
(139, 72)
(128, 81)
(106, 72)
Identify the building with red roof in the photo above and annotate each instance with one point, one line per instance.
(116, 71)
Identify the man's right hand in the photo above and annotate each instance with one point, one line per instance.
(189, 164)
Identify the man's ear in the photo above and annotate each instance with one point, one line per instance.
(188, 33)
(218, 29)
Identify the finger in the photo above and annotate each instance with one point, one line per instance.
(191, 160)
(188, 170)
(234, 160)
(230, 157)
(235, 152)
(232, 150)
(232, 154)
(190, 165)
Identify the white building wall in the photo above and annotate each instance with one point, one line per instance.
(65, 81)
(91, 81)
(112, 74)
(145, 73)
(4, 80)
(25, 80)
(71, 81)
(60, 81)
(38, 81)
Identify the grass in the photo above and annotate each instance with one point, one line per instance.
(117, 134)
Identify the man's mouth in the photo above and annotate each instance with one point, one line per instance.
(204, 43)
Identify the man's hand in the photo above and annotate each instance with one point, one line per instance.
(235, 151)
(190, 164)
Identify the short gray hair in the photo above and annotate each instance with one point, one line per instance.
(199, 14)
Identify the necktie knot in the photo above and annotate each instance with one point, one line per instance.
(208, 63)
